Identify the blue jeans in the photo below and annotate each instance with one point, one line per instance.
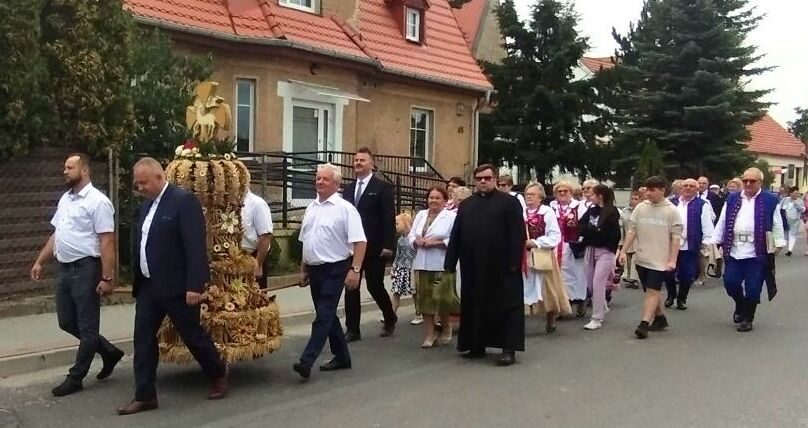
(326, 284)
(743, 279)
(78, 309)
(687, 270)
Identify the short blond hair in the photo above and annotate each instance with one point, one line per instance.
(406, 220)
(755, 171)
(539, 187)
(334, 169)
(566, 184)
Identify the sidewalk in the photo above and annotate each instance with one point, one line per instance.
(35, 342)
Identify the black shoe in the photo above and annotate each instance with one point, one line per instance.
(788, 253)
(580, 310)
(669, 302)
(660, 323)
(506, 359)
(303, 370)
(474, 354)
(736, 318)
(550, 328)
(745, 326)
(642, 330)
(69, 386)
(681, 305)
(388, 328)
(109, 364)
(352, 337)
(335, 364)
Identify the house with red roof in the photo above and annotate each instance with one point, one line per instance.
(396, 76)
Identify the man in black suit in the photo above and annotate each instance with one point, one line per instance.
(707, 195)
(170, 272)
(373, 198)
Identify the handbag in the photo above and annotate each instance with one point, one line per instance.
(541, 259)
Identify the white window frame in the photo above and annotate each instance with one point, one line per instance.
(429, 133)
(292, 5)
(253, 109)
(415, 14)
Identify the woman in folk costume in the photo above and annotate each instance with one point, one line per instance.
(571, 251)
(543, 288)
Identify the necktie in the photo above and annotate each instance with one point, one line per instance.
(358, 191)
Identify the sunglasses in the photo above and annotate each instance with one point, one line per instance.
(483, 177)
(562, 191)
(749, 181)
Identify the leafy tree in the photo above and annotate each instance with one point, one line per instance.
(650, 162)
(545, 117)
(22, 74)
(681, 83)
(799, 127)
(86, 45)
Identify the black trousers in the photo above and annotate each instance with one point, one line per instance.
(373, 272)
(150, 310)
(78, 309)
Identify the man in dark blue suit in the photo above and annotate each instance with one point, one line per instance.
(170, 272)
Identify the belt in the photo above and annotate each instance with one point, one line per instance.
(348, 260)
(80, 262)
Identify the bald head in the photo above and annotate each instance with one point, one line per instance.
(149, 178)
(689, 188)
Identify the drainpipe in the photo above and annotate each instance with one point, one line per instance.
(475, 124)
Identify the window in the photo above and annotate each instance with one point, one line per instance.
(413, 25)
(305, 5)
(420, 138)
(245, 115)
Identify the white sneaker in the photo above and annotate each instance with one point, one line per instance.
(418, 320)
(593, 324)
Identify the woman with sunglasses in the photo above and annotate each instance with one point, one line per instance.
(570, 252)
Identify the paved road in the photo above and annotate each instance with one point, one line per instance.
(700, 373)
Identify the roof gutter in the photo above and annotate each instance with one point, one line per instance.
(304, 47)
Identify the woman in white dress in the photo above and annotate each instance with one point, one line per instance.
(544, 290)
(571, 251)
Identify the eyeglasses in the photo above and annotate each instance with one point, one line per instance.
(689, 185)
(483, 177)
(502, 184)
(749, 181)
(562, 191)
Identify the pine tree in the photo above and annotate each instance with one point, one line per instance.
(799, 127)
(544, 118)
(683, 70)
(21, 74)
(86, 45)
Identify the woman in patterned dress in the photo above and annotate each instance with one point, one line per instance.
(402, 265)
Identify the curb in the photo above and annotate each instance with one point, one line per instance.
(64, 356)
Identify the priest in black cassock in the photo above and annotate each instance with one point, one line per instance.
(488, 238)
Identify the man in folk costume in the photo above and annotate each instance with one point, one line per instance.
(488, 238)
(697, 231)
(570, 251)
(749, 229)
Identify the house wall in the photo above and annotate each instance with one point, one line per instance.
(382, 124)
(781, 177)
(489, 44)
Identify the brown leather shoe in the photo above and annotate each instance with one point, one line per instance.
(135, 406)
(218, 389)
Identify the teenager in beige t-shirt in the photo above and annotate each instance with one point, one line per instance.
(655, 229)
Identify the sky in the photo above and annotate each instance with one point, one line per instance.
(780, 36)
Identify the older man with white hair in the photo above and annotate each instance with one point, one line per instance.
(749, 229)
(334, 246)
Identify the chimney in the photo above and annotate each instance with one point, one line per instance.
(347, 10)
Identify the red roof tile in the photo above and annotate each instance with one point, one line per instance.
(470, 18)
(444, 57)
(596, 64)
(770, 138)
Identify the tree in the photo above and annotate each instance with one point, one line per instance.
(86, 45)
(682, 74)
(22, 74)
(799, 127)
(545, 117)
(162, 85)
(650, 162)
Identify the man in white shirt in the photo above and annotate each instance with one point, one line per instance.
(257, 238)
(334, 247)
(697, 231)
(750, 230)
(84, 245)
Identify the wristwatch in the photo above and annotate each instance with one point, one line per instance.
(106, 278)
(356, 269)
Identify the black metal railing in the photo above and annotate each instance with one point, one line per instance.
(286, 180)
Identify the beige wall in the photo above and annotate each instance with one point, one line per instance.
(783, 162)
(383, 124)
(489, 42)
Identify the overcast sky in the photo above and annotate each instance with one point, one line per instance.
(781, 36)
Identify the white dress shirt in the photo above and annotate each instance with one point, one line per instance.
(329, 230)
(79, 218)
(256, 218)
(706, 223)
(144, 233)
(431, 259)
(745, 224)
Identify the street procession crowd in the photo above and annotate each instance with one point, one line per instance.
(489, 255)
